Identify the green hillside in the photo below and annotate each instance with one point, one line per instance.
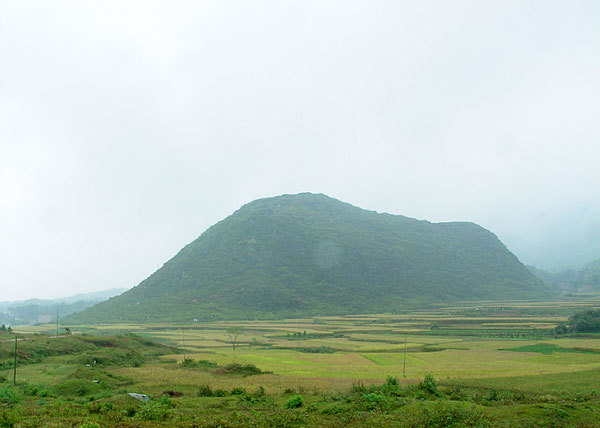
(308, 254)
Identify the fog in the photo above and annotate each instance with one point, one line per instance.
(128, 128)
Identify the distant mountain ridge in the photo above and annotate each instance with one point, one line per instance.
(42, 310)
(307, 254)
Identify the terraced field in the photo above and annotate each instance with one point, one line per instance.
(503, 358)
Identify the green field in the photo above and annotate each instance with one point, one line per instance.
(493, 364)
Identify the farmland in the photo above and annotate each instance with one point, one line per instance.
(483, 364)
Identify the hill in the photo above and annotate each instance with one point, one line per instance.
(308, 254)
(588, 277)
(585, 279)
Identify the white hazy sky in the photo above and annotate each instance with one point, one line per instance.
(129, 127)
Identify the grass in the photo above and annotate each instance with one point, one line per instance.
(546, 348)
(499, 366)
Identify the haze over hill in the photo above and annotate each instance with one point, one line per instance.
(304, 254)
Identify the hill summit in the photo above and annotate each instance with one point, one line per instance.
(309, 254)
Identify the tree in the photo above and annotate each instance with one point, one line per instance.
(3, 329)
(585, 322)
(233, 333)
(561, 329)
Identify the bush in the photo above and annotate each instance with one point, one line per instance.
(333, 409)
(429, 385)
(374, 401)
(238, 391)
(190, 363)
(8, 418)
(294, 402)
(451, 416)
(561, 329)
(239, 369)
(8, 395)
(205, 391)
(260, 392)
(156, 410)
(318, 350)
(100, 407)
(90, 425)
(130, 411)
(35, 390)
(220, 393)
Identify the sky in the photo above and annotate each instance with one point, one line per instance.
(129, 127)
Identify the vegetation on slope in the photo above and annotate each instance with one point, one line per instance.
(307, 254)
(585, 279)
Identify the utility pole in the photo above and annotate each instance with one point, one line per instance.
(404, 368)
(183, 342)
(57, 319)
(15, 369)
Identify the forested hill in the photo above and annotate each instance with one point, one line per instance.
(307, 254)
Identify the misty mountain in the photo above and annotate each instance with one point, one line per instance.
(571, 280)
(297, 255)
(37, 310)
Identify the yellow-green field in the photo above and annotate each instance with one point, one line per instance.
(482, 365)
(453, 342)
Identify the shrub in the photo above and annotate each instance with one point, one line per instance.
(333, 409)
(188, 362)
(493, 396)
(317, 350)
(90, 425)
(100, 407)
(156, 410)
(375, 401)
(391, 381)
(8, 418)
(429, 385)
(451, 416)
(238, 391)
(239, 369)
(561, 329)
(8, 395)
(294, 402)
(130, 411)
(205, 391)
(35, 390)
